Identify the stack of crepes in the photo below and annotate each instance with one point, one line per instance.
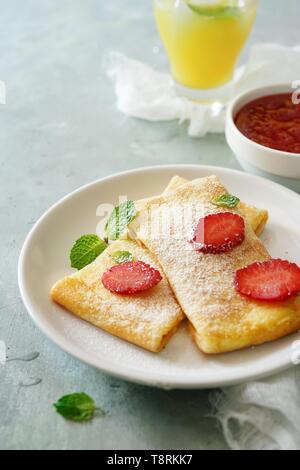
(195, 286)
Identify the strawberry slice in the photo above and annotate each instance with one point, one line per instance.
(219, 233)
(271, 280)
(131, 277)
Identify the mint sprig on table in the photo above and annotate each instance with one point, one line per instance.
(122, 257)
(85, 250)
(78, 407)
(226, 200)
(119, 219)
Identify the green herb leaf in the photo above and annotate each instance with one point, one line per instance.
(226, 200)
(77, 407)
(86, 250)
(119, 219)
(215, 11)
(122, 256)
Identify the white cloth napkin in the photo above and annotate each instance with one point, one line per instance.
(261, 415)
(145, 93)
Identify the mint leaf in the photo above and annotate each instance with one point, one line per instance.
(119, 219)
(86, 250)
(77, 407)
(122, 256)
(226, 200)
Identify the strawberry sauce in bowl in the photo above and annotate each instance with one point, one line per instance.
(272, 121)
(263, 131)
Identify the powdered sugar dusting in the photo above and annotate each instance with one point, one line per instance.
(203, 283)
(144, 318)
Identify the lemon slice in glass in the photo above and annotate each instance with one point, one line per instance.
(215, 10)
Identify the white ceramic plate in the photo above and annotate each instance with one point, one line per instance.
(44, 259)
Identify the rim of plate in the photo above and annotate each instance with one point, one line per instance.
(131, 374)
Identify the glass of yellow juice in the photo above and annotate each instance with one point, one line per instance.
(203, 40)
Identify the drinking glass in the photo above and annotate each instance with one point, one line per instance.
(203, 40)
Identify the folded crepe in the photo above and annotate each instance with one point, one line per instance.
(147, 319)
(221, 319)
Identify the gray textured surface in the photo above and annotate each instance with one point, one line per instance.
(58, 131)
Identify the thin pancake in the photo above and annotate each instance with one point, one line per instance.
(222, 320)
(148, 319)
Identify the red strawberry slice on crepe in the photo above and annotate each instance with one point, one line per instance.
(219, 233)
(272, 280)
(131, 277)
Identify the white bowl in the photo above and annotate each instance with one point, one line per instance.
(279, 166)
